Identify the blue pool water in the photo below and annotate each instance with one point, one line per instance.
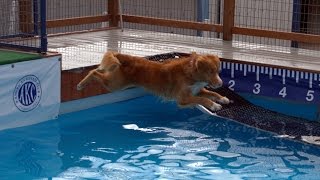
(146, 138)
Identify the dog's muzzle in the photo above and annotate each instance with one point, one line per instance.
(216, 85)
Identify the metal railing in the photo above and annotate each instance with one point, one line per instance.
(285, 23)
(292, 23)
(23, 24)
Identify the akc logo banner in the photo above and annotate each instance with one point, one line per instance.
(29, 92)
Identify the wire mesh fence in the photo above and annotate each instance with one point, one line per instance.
(291, 16)
(299, 16)
(206, 12)
(269, 15)
(187, 19)
(308, 21)
(23, 24)
(61, 9)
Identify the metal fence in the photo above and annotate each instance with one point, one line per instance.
(248, 23)
(285, 23)
(61, 12)
(179, 13)
(23, 24)
(291, 16)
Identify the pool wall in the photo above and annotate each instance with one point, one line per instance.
(292, 91)
(30, 91)
(69, 80)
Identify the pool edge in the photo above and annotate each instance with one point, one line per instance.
(94, 101)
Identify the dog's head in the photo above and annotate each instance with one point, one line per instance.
(109, 63)
(206, 68)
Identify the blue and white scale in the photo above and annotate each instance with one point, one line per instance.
(276, 82)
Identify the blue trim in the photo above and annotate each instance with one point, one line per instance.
(296, 19)
(43, 18)
(202, 12)
(301, 110)
(292, 92)
(275, 82)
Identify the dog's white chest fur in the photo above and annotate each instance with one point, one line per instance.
(195, 88)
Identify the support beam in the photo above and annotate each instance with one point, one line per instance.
(113, 12)
(77, 21)
(228, 19)
(173, 23)
(298, 37)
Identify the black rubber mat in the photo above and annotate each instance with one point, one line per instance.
(247, 113)
(167, 56)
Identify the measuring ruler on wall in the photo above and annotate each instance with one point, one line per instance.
(275, 82)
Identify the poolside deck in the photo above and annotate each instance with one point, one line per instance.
(86, 49)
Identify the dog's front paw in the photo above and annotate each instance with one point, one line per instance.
(79, 87)
(224, 100)
(215, 107)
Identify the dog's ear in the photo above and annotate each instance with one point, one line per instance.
(201, 64)
(197, 61)
(215, 59)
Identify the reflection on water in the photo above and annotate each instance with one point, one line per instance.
(148, 139)
(30, 152)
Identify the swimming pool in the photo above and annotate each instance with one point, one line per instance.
(146, 138)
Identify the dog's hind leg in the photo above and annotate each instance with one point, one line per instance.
(194, 100)
(213, 96)
(92, 75)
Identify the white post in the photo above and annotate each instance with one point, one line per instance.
(12, 17)
(120, 12)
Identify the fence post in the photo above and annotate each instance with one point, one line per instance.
(113, 12)
(228, 19)
(43, 28)
(35, 17)
(25, 16)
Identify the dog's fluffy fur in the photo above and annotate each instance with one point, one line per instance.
(181, 79)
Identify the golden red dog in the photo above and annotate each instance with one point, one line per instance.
(181, 79)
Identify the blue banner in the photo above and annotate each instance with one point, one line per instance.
(298, 86)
